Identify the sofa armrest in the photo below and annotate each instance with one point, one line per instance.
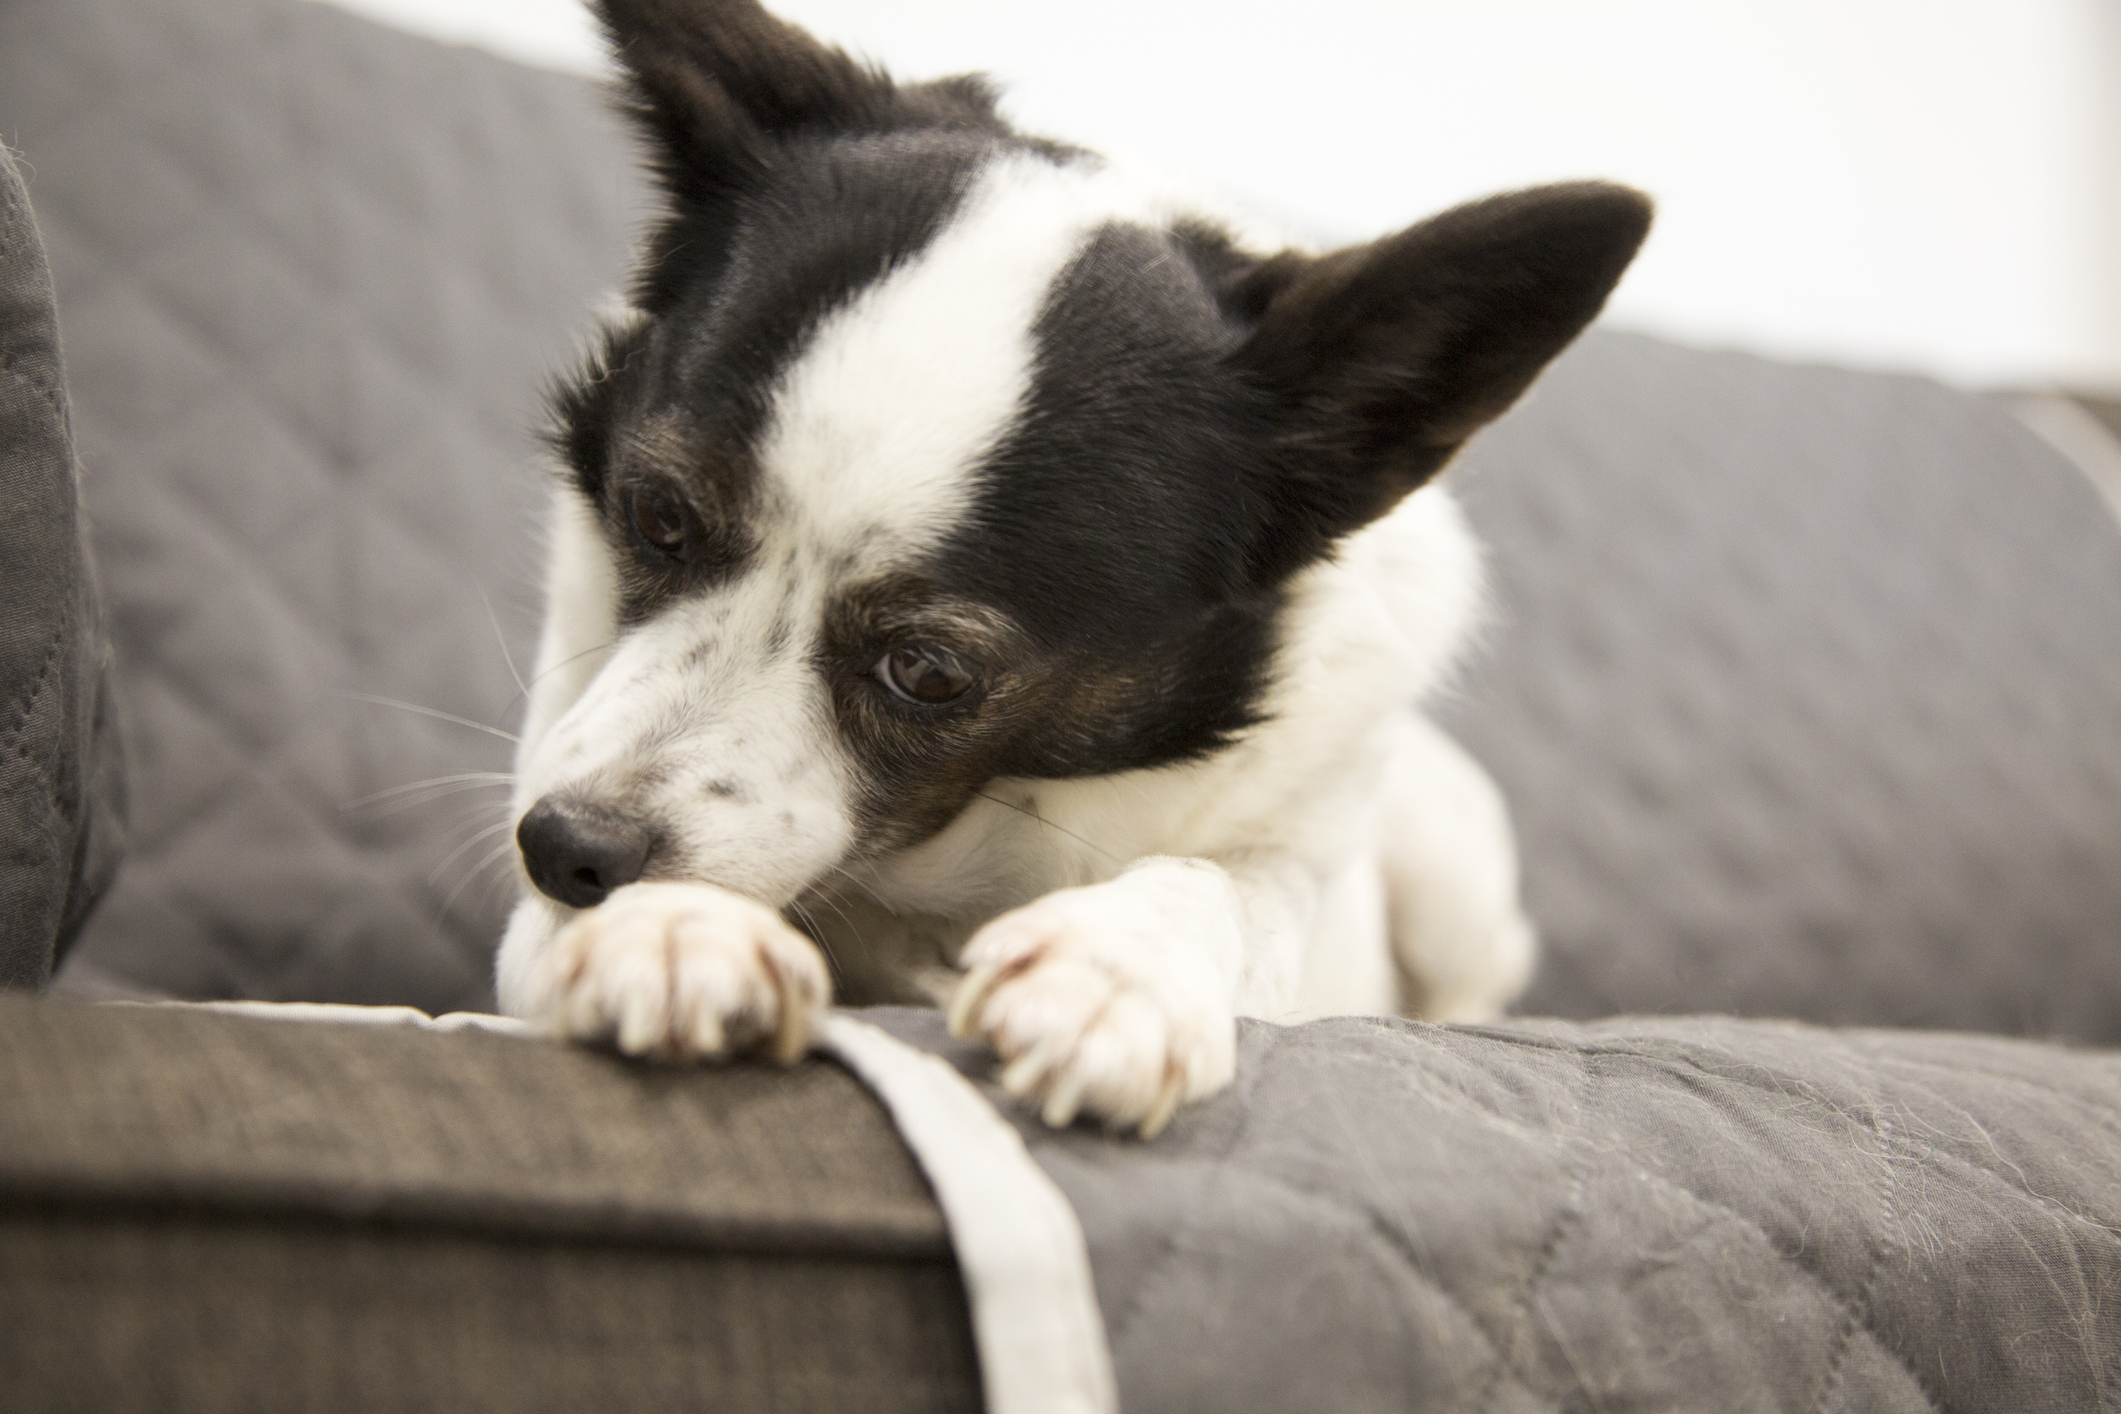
(202, 1211)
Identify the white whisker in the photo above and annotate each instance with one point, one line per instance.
(486, 834)
(501, 638)
(431, 712)
(817, 934)
(1046, 824)
(858, 884)
(599, 648)
(500, 852)
(833, 904)
(432, 787)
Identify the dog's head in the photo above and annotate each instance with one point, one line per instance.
(934, 454)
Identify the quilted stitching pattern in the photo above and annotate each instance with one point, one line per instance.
(1806, 696)
(1638, 1214)
(312, 274)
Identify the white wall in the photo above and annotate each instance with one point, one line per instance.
(1930, 184)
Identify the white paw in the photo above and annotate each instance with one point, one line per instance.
(1110, 1000)
(680, 970)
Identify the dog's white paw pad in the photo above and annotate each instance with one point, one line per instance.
(679, 971)
(1093, 1012)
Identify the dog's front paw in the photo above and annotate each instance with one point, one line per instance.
(1108, 1000)
(681, 970)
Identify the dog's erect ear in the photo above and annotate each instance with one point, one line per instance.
(1381, 360)
(719, 83)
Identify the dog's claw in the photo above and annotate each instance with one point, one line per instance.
(1028, 1071)
(1065, 1102)
(706, 1036)
(791, 1036)
(971, 993)
(1168, 1098)
(642, 1025)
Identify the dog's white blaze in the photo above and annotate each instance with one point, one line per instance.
(879, 428)
(581, 619)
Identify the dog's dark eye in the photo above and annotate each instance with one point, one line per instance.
(920, 673)
(663, 521)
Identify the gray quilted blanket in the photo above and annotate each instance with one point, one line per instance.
(1641, 1214)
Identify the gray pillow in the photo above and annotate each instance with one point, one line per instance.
(61, 769)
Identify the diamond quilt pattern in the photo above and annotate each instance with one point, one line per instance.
(1805, 690)
(1642, 1214)
(312, 274)
(1685, 1213)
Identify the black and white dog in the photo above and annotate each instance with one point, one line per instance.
(981, 553)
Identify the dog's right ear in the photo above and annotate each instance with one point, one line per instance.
(721, 88)
(716, 82)
(719, 84)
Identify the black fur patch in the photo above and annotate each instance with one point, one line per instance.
(1114, 522)
(1100, 586)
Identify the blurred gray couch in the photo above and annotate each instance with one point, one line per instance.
(1804, 687)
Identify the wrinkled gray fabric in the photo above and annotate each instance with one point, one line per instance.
(313, 274)
(1654, 1214)
(1805, 691)
(61, 765)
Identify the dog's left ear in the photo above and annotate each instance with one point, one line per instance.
(1380, 360)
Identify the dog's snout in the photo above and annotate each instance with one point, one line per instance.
(579, 853)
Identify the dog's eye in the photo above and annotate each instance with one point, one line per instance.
(920, 673)
(663, 521)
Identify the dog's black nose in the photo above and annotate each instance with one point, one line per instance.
(579, 853)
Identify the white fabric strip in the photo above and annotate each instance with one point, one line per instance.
(1020, 1249)
(1035, 1318)
(354, 1015)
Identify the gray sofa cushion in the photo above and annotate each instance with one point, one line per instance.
(61, 764)
(313, 274)
(1805, 692)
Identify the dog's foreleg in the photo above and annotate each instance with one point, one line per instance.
(1119, 1000)
(666, 969)
(1449, 864)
